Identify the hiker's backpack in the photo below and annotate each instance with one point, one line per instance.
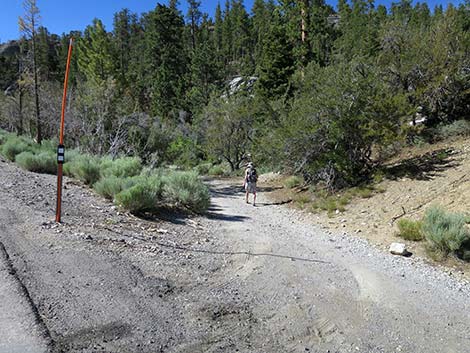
(252, 176)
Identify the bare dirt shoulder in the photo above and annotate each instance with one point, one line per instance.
(241, 278)
(415, 179)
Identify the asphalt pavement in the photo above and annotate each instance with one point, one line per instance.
(20, 328)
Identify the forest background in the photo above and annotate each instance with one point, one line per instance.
(296, 86)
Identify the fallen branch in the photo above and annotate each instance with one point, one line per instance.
(397, 217)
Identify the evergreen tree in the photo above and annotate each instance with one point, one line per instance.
(137, 73)
(205, 69)
(194, 17)
(61, 54)
(218, 28)
(95, 55)
(166, 60)
(217, 38)
(46, 55)
(29, 27)
(322, 34)
(122, 44)
(242, 48)
(227, 38)
(260, 22)
(402, 11)
(276, 62)
(359, 30)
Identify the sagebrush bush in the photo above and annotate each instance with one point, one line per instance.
(109, 187)
(457, 128)
(216, 170)
(293, 181)
(44, 162)
(4, 135)
(121, 167)
(186, 189)
(203, 168)
(410, 230)
(49, 146)
(13, 146)
(144, 196)
(445, 231)
(84, 167)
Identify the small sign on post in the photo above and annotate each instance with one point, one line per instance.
(60, 154)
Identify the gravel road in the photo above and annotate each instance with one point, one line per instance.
(240, 279)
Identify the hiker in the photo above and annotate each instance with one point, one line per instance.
(249, 183)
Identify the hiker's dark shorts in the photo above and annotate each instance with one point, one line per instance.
(250, 187)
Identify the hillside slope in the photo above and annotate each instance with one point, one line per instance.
(419, 177)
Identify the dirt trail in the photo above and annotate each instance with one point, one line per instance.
(326, 292)
(243, 278)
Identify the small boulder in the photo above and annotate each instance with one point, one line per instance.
(398, 249)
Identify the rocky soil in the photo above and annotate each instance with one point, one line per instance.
(239, 279)
(415, 179)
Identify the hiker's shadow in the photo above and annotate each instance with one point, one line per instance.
(227, 190)
(226, 217)
(264, 204)
(216, 213)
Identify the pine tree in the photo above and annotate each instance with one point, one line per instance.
(227, 37)
(296, 15)
(359, 30)
(205, 69)
(95, 56)
(29, 26)
(276, 63)
(166, 60)
(241, 42)
(62, 53)
(137, 75)
(122, 44)
(322, 34)
(218, 36)
(194, 17)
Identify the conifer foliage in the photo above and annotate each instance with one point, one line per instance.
(299, 84)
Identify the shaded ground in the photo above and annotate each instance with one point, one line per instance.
(244, 278)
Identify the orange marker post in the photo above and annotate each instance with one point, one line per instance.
(61, 148)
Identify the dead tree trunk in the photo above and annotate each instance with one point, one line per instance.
(36, 90)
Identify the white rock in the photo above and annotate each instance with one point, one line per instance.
(398, 249)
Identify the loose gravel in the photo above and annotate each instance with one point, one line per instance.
(239, 279)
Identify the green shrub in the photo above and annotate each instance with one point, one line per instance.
(49, 146)
(14, 146)
(121, 167)
(84, 167)
(203, 168)
(145, 195)
(364, 192)
(301, 200)
(410, 230)
(44, 162)
(109, 187)
(327, 204)
(293, 181)
(445, 232)
(216, 170)
(4, 135)
(185, 189)
(457, 128)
